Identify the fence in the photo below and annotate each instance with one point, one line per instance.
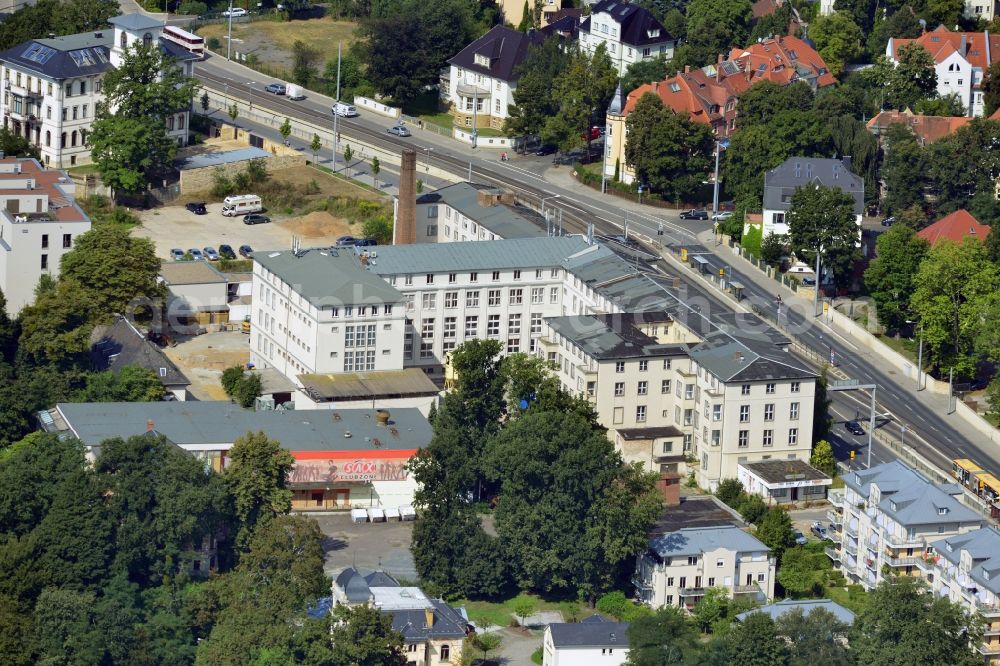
(377, 107)
(480, 141)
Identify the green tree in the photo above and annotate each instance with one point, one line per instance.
(56, 328)
(850, 136)
(991, 89)
(901, 624)
(862, 12)
(711, 609)
(838, 40)
(666, 150)
(660, 639)
(527, 22)
(823, 219)
(645, 71)
(376, 167)
(304, 63)
(522, 607)
(316, 146)
(816, 638)
(117, 270)
(257, 478)
(129, 142)
(821, 407)
(772, 249)
(751, 508)
(903, 169)
(912, 79)
(231, 378)
(534, 98)
(993, 398)
(822, 458)
(487, 643)
(803, 572)
(955, 286)
(956, 186)
(247, 390)
(583, 90)
(755, 642)
(775, 530)
(129, 384)
(285, 130)
(32, 471)
(890, 277)
(348, 154)
(944, 12)
(363, 636)
(730, 491)
(233, 111)
(715, 26)
(65, 623)
(762, 103)
(949, 105)
(902, 23)
(205, 101)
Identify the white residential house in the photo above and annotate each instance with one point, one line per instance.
(679, 567)
(887, 516)
(594, 641)
(52, 86)
(39, 222)
(961, 59)
(781, 182)
(629, 32)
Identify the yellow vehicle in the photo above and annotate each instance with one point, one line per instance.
(245, 326)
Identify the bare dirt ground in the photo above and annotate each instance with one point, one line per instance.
(203, 358)
(316, 225)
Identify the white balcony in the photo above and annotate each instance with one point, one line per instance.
(836, 497)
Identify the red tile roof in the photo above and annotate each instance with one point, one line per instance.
(927, 128)
(46, 180)
(708, 95)
(955, 227)
(941, 43)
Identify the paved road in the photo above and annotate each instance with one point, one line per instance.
(537, 182)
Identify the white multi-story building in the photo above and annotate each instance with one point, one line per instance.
(319, 311)
(961, 59)
(39, 221)
(628, 31)
(965, 568)
(886, 517)
(52, 86)
(679, 567)
(781, 182)
(472, 211)
(593, 641)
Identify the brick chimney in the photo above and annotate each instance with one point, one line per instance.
(669, 485)
(405, 228)
(150, 426)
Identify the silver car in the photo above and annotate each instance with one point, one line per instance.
(196, 254)
(211, 254)
(399, 130)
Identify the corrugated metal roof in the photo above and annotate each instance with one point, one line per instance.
(698, 540)
(506, 221)
(807, 606)
(225, 157)
(376, 384)
(523, 253)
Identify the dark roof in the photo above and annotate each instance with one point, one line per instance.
(779, 471)
(448, 623)
(694, 512)
(353, 584)
(737, 357)
(65, 57)
(589, 634)
(782, 181)
(504, 220)
(611, 336)
(120, 344)
(506, 49)
(381, 579)
(649, 433)
(636, 22)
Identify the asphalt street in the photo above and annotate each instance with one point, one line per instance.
(928, 429)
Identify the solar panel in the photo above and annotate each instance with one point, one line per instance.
(83, 57)
(38, 53)
(101, 55)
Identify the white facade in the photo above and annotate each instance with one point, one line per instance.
(583, 655)
(486, 95)
(681, 580)
(956, 74)
(39, 222)
(606, 28)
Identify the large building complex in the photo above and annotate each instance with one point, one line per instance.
(470, 211)
(52, 86)
(39, 221)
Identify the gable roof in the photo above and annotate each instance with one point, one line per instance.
(983, 546)
(614, 336)
(782, 181)
(503, 219)
(927, 129)
(505, 48)
(64, 57)
(638, 26)
(955, 227)
(120, 344)
(448, 622)
(980, 49)
(590, 633)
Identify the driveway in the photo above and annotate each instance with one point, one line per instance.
(367, 546)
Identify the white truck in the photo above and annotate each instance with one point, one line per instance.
(344, 110)
(241, 204)
(294, 92)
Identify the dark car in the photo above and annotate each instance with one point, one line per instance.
(694, 215)
(854, 428)
(246, 251)
(276, 88)
(888, 222)
(256, 218)
(226, 252)
(197, 207)
(547, 149)
(346, 241)
(365, 242)
(809, 282)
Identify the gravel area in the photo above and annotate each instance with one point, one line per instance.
(367, 546)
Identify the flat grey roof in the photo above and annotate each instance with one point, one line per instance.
(328, 278)
(190, 272)
(780, 471)
(136, 21)
(523, 253)
(589, 634)
(698, 540)
(807, 606)
(220, 423)
(610, 337)
(504, 220)
(218, 159)
(377, 384)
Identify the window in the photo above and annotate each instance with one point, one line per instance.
(641, 389)
(517, 275)
(793, 411)
(793, 436)
(770, 388)
(768, 439)
(493, 326)
(496, 276)
(473, 277)
(716, 437)
(516, 296)
(45, 241)
(553, 294)
(795, 387)
(716, 412)
(67, 241)
(618, 415)
(745, 389)
(537, 295)
(432, 212)
(643, 366)
(45, 262)
(744, 439)
(430, 278)
(408, 280)
(450, 324)
(452, 278)
(428, 300)
(445, 653)
(744, 413)
(769, 412)
(451, 299)
(514, 324)
(536, 323)
(427, 328)
(513, 345)
(640, 414)
(348, 336)
(493, 298)
(689, 391)
(619, 389)
(471, 326)
(472, 299)
(665, 386)
(619, 366)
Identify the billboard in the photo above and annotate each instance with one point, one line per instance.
(364, 468)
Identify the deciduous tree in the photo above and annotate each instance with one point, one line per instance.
(257, 478)
(991, 89)
(803, 571)
(715, 26)
(822, 458)
(660, 639)
(822, 219)
(775, 530)
(912, 79)
(838, 40)
(890, 277)
(816, 638)
(903, 169)
(755, 642)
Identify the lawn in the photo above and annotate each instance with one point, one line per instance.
(501, 613)
(425, 106)
(851, 597)
(904, 346)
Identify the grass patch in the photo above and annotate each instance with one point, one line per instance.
(904, 346)
(501, 613)
(536, 656)
(101, 210)
(426, 107)
(235, 265)
(83, 169)
(851, 597)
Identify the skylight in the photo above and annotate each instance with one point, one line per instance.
(38, 53)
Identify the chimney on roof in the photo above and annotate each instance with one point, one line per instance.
(429, 617)
(964, 43)
(738, 357)
(149, 425)
(405, 227)
(846, 159)
(687, 69)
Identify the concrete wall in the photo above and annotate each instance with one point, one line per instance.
(482, 141)
(377, 107)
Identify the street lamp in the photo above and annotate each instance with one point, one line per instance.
(336, 132)
(720, 145)
(229, 40)
(920, 355)
(250, 88)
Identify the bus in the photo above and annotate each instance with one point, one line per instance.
(186, 40)
(966, 471)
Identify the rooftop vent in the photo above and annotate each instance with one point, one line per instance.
(382, 417)
(336, 416)
(347, 434)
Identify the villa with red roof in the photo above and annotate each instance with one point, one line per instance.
(709, 95)
(960, 61)
(955, 227)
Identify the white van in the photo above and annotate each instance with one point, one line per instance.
(344, 110)
(294, 92)
(241, 204)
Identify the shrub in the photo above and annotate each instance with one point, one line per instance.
(222, 185)
(193, 7)
(730, 491)
(213, 43)
(247, 390)
(230, 378)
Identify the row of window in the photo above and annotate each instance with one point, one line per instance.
(793, 412)
(67, 241)
(767, 438)
(494, 298)
(80, 86)
(429, 278)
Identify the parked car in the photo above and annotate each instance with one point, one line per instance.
(256, 218)
(211, 254)
(276, 88)
(809, 282)
(197, 207)
(819, 531)
(694, 215)
(365, 242)
(196, 254)
(399, 130)
(592, 134)
(720, 217)
(889, 221)
(345, 110)
(346, 241)
(226, 252)
(235, 12)
(177, 254)
(800, 538)
(545, 149)
(246, 251)
(854, 428)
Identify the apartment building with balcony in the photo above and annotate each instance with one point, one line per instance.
(39, 222)
(965, 568)
(629, 33)
(887, 515)
(52, 86)
(680, 566)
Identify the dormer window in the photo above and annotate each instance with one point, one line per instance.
(147, 39)
(986, 574)
(942, 510)
(482, 60)
(674, 87)
(892, 505)
(949, 547)
(654, 33)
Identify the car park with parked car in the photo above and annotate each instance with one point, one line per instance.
(246, 251)
(197, 207)
(256, 218)
(226, 252)
(211, 254)
(177, 254)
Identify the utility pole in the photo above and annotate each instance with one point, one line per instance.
(951, 391)
(920, 360)
(816, 295)
(336, 134)
(229, 44)
(853, 385)
(720, 145)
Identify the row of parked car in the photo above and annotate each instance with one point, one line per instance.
(209, 253)
(701, 214)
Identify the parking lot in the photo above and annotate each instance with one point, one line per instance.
(367, 546)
